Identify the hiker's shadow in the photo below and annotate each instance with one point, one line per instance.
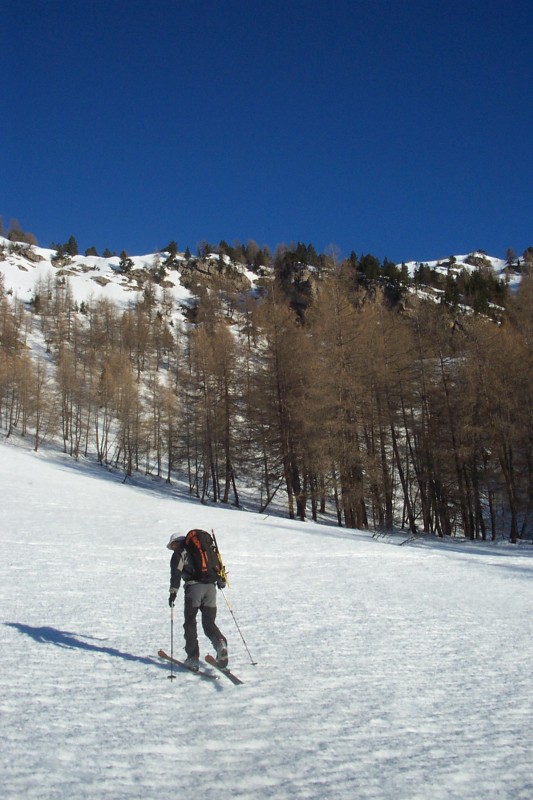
(48, 635)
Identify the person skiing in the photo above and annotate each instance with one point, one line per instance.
(200, 594)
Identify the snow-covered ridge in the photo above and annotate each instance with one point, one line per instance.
(470, 262)
(459, 262)
(24, 267)
(27, 268)
(90, 277)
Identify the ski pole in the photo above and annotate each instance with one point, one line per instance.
(224, 576)
(171, 676)
(254, 663)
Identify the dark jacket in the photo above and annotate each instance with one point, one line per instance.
(180, 567)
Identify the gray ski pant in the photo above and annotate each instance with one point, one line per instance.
(200, 597)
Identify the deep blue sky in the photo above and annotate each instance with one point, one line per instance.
(400, 128)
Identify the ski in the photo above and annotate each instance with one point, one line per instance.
(224, 670)
(200, 672)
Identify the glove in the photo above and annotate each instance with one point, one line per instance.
(172, 598)
(221, 583)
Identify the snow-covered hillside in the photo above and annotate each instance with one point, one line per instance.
(88, 276)
(470, 262)
(462, 262)
(26, 270)
(93, 277)
(383, 671)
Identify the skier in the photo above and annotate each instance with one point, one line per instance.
(199, 595)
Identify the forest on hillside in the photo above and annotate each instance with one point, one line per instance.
(331, 387)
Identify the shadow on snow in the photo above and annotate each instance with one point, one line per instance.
(48, 635)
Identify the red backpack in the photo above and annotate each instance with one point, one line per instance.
(204, 556)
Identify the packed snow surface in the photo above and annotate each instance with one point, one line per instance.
(383, 671)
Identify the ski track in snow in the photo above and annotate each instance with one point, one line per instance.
(383, 672)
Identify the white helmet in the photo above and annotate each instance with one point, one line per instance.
(176, 537)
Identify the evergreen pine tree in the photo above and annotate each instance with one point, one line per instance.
(71, 247)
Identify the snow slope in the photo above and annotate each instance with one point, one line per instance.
(89, 277)
(498, 265)
(95, 277)
(383, 671)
